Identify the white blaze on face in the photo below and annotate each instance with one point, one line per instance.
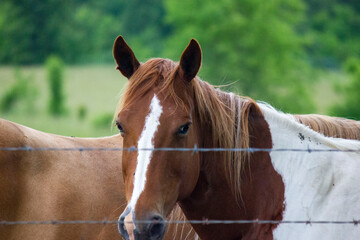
(146, 140)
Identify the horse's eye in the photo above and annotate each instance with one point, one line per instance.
(121, 129)
(184, 129)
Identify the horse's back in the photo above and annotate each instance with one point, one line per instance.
(56, 185)
(331, 126)
(11, 178)
(11, 135)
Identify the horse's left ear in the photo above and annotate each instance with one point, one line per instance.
(190, 61)
(125, 57)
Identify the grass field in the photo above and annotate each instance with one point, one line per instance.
(324, 91)
(97, 89)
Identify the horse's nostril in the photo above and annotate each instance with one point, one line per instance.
(157, 228)
(121, 227)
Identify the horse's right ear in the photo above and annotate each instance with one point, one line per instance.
(124, 57)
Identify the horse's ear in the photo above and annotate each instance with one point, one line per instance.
(124, 57)
(190, 61)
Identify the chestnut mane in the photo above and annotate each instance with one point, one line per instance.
(226, 114)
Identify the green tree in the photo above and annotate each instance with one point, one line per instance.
(22, 91)
(55, 76)
(252, 42)
(91, 36)
(14, 34)
(144, 25)
(75, 30)
(351, 92)
(38, 24)
(333, 23)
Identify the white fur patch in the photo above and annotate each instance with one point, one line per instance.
(146, 141)
(318, 185)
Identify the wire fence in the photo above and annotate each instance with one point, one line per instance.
(195, 149)
(202, 222)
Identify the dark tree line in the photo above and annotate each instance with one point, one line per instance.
(269, 47)
(82, 31)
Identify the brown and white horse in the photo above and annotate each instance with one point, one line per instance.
(166, 105)
(64, 186)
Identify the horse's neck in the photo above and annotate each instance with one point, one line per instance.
(207, 201)
(260, 182)
(315, 182)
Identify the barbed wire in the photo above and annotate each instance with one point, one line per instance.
(202, 222)
(195, 149)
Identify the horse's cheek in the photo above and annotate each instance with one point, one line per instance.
(190, 176)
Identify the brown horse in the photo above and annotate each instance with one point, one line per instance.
(56, 185)
(63, 185)
(166, 105)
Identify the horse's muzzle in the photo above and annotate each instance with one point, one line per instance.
(156, 228)
(121, 227)
(153, 229)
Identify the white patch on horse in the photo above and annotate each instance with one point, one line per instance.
(318, 185)
(146, 140)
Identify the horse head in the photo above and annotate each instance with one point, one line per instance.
(157, 112)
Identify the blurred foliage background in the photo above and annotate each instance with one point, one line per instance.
(57, 72)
